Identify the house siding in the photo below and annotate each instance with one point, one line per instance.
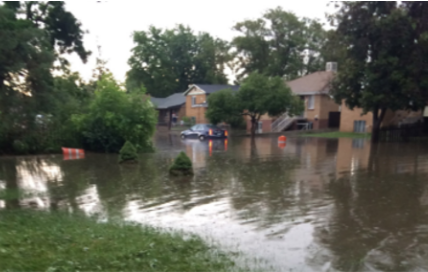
(197, 112)
(348, 117)
(323, 104)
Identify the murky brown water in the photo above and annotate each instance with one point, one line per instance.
(316, 205)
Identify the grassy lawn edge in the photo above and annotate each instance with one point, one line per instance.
(336, 134)
(58, 241)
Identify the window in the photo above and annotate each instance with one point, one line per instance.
(193, 100)
(359, 126)
(311, 102)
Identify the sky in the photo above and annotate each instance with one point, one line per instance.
(111, 23)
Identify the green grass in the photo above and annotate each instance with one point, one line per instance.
(56, 241)
(337, 134)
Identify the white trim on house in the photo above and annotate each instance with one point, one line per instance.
(310, 93)
(197, 91)
(311, 102)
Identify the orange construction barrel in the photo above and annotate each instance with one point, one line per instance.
(281, 141)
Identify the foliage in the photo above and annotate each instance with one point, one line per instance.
(167, 61)
(188, 121)
(386, 67)
(34, 35)
(257, 96)
(279, 44)
(182, 165)
(128, 152)
(41, 241)
(115, 116)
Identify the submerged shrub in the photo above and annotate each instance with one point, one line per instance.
(182, 166)
(128, 153)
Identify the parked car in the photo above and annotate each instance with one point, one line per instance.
(204, 131)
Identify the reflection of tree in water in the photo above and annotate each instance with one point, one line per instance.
(377, 219)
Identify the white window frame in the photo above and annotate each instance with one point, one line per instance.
(311, 102)
(193, 100)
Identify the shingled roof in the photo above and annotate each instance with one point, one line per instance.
(212, 88)
(171, 101)
(315, 83)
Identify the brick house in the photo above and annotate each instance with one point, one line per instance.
(196, 99)
(175, 103)
(320, 109)
(356, 121)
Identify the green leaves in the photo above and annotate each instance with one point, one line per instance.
(384, 66)
(115, 116)
(258, 95)
(182, 165)
(167, 61)
(276, 43)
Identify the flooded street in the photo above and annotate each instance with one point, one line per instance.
(315, 205)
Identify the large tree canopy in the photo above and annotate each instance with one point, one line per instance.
(258, 95)
(279, 44)
(167, 61)
(33, 35)
(386, 65)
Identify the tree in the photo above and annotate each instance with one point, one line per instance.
(257, 96)
(33, 35)
(386, 67)
(114, 117)
(278, 44)
(167, 61)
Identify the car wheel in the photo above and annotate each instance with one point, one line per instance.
(183, 136)
(201, 137)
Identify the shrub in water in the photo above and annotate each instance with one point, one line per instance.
(182, 166)
(128, 153)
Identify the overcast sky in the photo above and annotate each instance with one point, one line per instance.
(111, 24)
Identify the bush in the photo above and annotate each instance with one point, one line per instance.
(182, 166)
(20, 147)
(128, 153)
(188, 121)
(114, 116)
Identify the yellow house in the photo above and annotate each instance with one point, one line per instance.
(196, 99)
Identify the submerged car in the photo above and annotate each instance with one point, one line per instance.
(204, 131)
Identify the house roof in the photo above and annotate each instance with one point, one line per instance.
(173, 100)
(315, 83)
(212, 88)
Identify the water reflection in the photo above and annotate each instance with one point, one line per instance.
(314, 205)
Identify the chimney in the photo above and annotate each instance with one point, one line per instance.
(331, 67)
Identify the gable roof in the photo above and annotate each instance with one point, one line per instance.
(315, 83)
(173, 100)
(212, 88)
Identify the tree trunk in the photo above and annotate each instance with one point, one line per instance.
(253, 127)
(377, 121)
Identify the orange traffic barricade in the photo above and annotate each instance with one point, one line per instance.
(73, 153)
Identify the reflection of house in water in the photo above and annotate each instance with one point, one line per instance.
(352, 154)
(317, 162)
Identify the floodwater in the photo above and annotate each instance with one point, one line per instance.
(315, 205)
